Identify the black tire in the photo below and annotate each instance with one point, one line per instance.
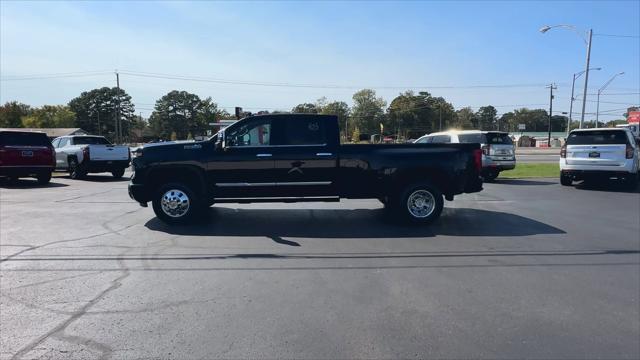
(631, 181)
(406, 204)
(118, 173)
(76, 171)
(44, 178)
(490, 175)
(175, 194)
(565, 180)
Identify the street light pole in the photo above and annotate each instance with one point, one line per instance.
(600, 92)
(546, 28)
(586, 79)
(551, 88)
(573, 85)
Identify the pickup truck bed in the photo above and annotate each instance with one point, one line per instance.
(293, 158)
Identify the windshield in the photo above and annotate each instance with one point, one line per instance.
(605, 137)
(498, 138)
(90, 140)
(24, 139)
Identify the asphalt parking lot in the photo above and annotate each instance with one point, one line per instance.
(526, 268)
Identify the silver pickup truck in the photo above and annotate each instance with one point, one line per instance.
(83, 154)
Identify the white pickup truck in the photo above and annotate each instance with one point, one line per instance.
(83, 154)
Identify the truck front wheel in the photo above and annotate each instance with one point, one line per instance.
(176, 203)
(117, 173)
(419, 203)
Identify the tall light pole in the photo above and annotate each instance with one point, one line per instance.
(551, 88)
(600, 92)
(573, 85)
(587, 40)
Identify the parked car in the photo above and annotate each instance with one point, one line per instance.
(83, 154)
(600, 154)
(295, 158)
(498, 150)
(26, 154)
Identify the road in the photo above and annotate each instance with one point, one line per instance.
(523, 269)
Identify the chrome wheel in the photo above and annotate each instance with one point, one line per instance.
(175, 203)
(421, 203)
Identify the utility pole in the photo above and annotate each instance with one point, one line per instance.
(118, 123)
(99, 129)
(551, 88)
(440, 110)
(586, 78)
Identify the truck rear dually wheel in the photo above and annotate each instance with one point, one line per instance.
(419, 203)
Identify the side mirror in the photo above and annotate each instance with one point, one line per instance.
(219, 145)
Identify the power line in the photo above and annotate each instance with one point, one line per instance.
(55, 75)
(619, 36)
(303, 85)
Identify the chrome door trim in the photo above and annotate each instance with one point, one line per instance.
(324, 154)
(293, 183)
(264, 155)
(245, 184)
(304, 183)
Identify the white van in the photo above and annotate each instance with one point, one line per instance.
(498, 151)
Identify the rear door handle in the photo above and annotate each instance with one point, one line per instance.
(324, 154)
(264, 155)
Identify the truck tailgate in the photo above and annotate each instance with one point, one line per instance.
(108, 152)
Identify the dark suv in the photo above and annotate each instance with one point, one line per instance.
(26, 154)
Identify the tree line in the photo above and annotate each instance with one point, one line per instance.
(183, 115)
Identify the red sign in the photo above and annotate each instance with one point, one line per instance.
(634, 117)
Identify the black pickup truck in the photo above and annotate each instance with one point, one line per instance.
(298, 157)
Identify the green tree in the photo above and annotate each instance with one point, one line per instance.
(534, 120)
(465, 118)
(50, 116)
(306, 108)
(487, 118)
(11, 114)
(506, 122)
(341, 110)
(355, 137)
(96, 111)
(182, 113)
(367, 111)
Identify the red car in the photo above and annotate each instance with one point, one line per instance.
(26, 154)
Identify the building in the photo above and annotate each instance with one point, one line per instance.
(53, 133)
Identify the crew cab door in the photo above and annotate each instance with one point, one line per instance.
(245, 166)
(305, 156)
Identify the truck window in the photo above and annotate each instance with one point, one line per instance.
(441, 139)
(304, 131)
(90, 140)
(253, 133)
(10, 138)
(605, 137)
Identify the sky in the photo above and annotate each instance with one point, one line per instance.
(332, 48)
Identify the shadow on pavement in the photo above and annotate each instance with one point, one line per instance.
(28, 184)
(100, 178)
(500, 181)
(606, 185)
(360, 223)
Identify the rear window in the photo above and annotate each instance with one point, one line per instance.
(304, 131)
(498, 138)
(471, 138)
(597, 137)
(90, 140)
(10, 138)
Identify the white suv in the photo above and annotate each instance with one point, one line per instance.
(600, 153)
(498, 151)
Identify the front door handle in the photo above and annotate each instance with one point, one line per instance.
(264, 155)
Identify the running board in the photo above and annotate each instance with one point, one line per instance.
(276, 199)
